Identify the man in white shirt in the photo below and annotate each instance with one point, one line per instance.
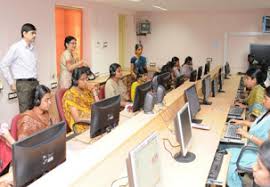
(19, 67)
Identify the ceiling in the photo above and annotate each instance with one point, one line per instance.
(176, 5)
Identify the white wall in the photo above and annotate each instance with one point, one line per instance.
(100, 23)
(200, 34)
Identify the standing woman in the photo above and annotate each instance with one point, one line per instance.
(68, 62)
(138, 62)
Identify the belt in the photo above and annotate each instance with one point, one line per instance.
(30, 79)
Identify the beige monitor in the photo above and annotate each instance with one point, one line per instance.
(144, 164)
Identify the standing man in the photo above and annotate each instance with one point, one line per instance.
(19, 67)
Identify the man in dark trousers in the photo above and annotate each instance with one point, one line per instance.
(19, 67)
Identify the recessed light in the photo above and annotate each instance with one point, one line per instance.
(161, 8)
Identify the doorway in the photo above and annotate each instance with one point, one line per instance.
(68, 21)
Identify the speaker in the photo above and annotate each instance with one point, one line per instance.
(149, 103)
(160, 95)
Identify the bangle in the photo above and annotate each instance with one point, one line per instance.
(250, 136)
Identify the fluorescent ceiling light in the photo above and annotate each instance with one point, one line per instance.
(135, 0)
(158, 7)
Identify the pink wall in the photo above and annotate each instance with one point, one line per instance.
(100, 23)
(200, 34)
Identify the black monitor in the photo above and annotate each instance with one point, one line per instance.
(104, 115)
(214, 87)
(141, 92)
(39, 153)
(179, 81)
(193, 100)
(227, 70)
(164, 80)
(193, 76)
(183, 133)
(206, 89)
(220, 80)
(199, 76)
(206, 68)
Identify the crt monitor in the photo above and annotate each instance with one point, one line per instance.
(144, 163)
(104, 115)
(206, 89)
(39, 153)
(179, 81)
(199, 76)
(193, 76)
(140, 94)
(193, 100)
(183, 133)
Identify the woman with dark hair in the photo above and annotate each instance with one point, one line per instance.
(257, 134)
(261, 170)
(254, 80)
(141, 78)
(115, 86)
(78, 99)
(31, 121)
(68, 62)
(187, 67)
(138, 62)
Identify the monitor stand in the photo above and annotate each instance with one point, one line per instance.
(185, 159)
(197, 121)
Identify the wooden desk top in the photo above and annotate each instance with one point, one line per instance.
(109, 153)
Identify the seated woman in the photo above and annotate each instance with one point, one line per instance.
(256, 135)
(254, 80)
(261, 170)
(138, 62)
(187, 67)
(68, 62)
(78, 99)
(31, 121)
(141, 78)
(114, 85)
(175, 66)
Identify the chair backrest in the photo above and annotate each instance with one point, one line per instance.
(5, 150)
(101, 94)
(58, 97)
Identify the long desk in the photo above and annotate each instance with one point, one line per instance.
(100, 163)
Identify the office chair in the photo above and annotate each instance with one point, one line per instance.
(58, 97)
(241, 170)
(5, 150)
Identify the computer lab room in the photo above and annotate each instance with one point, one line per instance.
(135, 93)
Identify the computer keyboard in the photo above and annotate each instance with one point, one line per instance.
(216, 165)
(235, 110)
(231, 131)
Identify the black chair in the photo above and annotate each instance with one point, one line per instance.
(241, 170)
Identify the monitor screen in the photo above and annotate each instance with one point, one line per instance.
(183, 130)
(193, 100)
(199, 73)
(206, 68)
(193, 76)
(39, 153)
(104, 115)
(144, 164)
(206, 86)
(140, 94)
(179, 81)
